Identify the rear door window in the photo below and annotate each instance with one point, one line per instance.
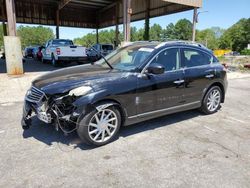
(193, 58)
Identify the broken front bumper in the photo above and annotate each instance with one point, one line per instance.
(30, 108)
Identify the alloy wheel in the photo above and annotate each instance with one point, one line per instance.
(102, 125)
(213, 100)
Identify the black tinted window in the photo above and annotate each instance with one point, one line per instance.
(194, 58)
(62, 42)
(107, 47)
(169, 58)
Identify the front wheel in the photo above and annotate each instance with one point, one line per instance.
(100, 127)
(212, 100)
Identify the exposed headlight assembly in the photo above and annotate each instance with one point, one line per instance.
(80, 91)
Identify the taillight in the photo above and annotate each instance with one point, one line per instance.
(58, 51)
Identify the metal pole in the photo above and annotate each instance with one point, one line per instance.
(194, 24)
(57, 24)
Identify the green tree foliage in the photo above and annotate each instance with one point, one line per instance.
(155, 32)
(34, 35)
(105, 36)
(208, 38)
(169, 32)
(218, 31)
(183, 29)
(237, 36)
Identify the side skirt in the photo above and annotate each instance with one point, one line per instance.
(158, 113)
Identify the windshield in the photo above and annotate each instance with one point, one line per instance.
(127, 58)
(62, 42)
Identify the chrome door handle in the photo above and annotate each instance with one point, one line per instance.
(209, 76)
(179, 81)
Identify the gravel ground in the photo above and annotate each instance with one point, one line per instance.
(185, 149)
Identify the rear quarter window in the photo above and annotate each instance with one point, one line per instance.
(193, 58)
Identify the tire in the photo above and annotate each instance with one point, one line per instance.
(88, 128)
(212, 100)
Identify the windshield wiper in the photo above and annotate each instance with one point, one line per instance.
(106, 61)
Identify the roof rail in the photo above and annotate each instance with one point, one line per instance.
(186, 42)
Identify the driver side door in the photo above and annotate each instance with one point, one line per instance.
(157, 93)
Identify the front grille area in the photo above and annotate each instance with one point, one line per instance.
(35, 95)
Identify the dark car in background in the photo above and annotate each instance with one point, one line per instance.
(141, 81)
(29, 52)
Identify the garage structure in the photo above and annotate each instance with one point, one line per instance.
(95, 14)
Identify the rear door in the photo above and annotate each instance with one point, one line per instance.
(198, 73)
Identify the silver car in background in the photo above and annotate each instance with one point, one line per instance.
(99, 49)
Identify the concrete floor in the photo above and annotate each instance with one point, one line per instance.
(185, 149)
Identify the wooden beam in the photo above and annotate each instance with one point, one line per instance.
(11, 17)
(63, 3)
(107, 7)
(146, 31)
(117, 11)
(57, 23)
(127, 11)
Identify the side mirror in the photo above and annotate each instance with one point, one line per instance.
(155, 68)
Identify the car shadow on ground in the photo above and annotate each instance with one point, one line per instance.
(48, 135)
(31, 65)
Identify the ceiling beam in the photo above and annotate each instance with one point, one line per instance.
(94, 3)
(107, 7)
(63, 3)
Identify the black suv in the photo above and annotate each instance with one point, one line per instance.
(134, 83)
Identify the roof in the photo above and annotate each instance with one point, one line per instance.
(171, 43)
(92, 13)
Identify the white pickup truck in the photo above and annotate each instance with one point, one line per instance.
(58, 51)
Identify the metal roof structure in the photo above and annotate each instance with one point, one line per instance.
(92, 13)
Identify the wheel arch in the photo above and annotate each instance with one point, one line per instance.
(115, 103)
(221, 86)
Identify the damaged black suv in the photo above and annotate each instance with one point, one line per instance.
(140, 81)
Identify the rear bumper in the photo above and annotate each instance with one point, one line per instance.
(65, 58)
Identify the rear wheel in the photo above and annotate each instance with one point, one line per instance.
(212, 100)
(100, 127)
